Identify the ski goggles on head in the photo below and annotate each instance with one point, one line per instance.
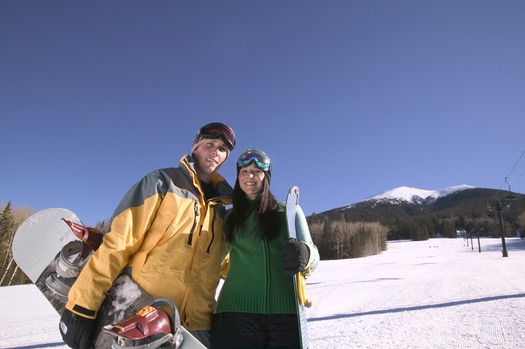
(259, 157)
(216, 130)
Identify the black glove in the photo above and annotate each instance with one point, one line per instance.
(77, 331)
(295, 256)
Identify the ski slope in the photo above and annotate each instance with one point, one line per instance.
(438, 293)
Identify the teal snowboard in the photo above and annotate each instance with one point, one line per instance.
(52, 245)
(292, 200)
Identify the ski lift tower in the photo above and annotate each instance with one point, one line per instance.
(499, 209)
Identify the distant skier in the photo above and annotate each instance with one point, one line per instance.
(167, 232)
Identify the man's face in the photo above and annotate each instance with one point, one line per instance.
(209, 156)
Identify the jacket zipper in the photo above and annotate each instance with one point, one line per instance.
(212, 233)
(190, 237)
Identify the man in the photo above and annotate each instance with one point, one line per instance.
(167, 232)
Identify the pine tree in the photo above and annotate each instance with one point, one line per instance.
(10, 274)
(6, 233)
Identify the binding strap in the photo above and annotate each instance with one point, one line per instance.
(72, 260)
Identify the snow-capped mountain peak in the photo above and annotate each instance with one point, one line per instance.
(415, 195)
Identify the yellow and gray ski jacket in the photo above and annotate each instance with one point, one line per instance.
(170, 239)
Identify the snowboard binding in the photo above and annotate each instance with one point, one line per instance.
(72, 258)
(91, 237)
(151, 327)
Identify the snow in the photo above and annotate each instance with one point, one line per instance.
(409, 194)
(125, 295)
(439, 293)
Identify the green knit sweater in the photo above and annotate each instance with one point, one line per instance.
(256, 282)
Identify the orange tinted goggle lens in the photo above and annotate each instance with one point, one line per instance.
(219, 130)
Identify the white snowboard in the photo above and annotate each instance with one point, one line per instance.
(39, 238)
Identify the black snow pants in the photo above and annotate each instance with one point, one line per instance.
(254, 331)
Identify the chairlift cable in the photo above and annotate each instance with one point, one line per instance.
(514, 167)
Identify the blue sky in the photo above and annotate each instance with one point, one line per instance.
(349, 98)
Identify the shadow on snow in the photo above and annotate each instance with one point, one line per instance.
(44, 345)
(419, 307)
(512, 244)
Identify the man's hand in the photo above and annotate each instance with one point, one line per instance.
(77, 331)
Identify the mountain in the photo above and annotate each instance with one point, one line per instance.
(407, 201)
(362, 228)
(414, 195)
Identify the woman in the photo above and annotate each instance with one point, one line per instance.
(257, 304)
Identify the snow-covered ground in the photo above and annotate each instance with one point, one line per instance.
(438, 293)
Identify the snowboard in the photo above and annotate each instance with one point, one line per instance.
(292, 200)
(37, 244)
(47, 247)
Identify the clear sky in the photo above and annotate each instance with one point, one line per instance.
(349, 98)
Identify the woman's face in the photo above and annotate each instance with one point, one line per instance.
(251, 180)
